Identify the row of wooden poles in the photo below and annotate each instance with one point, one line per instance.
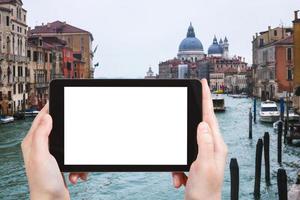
(263, 145)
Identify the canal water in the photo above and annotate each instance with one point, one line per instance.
(113, 186)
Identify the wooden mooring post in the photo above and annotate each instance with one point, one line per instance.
(235, 179)
(286, 128)
(267, 157)
(282, 184)
(258, 158)
(279, 143)
(254, 110)
(250, 124)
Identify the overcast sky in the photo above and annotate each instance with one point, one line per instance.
(134, 34)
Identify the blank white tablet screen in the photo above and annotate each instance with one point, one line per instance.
(125, 125)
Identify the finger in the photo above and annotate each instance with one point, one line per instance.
(73, 178)
(205, 144)
(36, 122)
(84, 176)
(208, 108)
(41, 134)
(179, 179)
(210, 118)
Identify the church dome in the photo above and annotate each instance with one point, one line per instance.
(191, 43)
(215, 48)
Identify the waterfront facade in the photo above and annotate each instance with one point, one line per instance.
(79, 40)
(296, 56)
(272, 60)
(13, 61)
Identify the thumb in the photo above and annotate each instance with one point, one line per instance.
(205, 143)
(41, 134)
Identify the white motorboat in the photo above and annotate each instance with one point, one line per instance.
(238, 96)
(31, 113)
(6, 119)
(269, 112)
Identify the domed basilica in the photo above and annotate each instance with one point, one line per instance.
(191, 48)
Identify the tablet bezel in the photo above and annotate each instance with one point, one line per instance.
(56, 110)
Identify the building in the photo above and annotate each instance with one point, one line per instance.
(192, 62)
(13, 61)
(296, 56)
(46, 62)
(150, 74)
(271, 62)
(79, 40)
(191, 48)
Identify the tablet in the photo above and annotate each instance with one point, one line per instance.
(122, 125)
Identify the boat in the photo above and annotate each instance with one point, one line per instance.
(238, 96)
(219, 103)
(218, 92)
(269, 112)
(6, 119)
(292, 115)
(31, 112)
(19, 116)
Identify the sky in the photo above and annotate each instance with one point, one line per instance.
(134, 35)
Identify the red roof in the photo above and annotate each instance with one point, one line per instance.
(9, 1)
(57, 27)
(288, 40)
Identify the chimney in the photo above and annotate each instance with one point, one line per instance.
(42, 24)
(296, 14)
(256, 34)
(269, 28)
(48, 25)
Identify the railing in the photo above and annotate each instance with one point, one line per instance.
(42, 85)
(17, 58)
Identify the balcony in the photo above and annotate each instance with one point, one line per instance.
(42, 85)
(17, 58)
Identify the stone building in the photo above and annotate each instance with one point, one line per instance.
(272, 62)
(14, 73)
(80, 41)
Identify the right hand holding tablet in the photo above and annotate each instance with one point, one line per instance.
(206, 174)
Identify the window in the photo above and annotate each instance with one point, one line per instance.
(14, 89)
(289, 74)
(20, 71)
(29, 54)
(50, 57)
(261, 42)
(46, 57)
(1, 98)
(24, 18)
(289, 54)
(14, 71)
(26, 72)
(9, 95)
(7, 21)
(275, 32)
(35, 56)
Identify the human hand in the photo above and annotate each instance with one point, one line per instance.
(44, 177)
(206, 174)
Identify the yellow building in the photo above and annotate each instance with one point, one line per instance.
(80, 41)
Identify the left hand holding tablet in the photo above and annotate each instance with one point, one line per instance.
(44, 177)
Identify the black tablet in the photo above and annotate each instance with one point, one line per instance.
(125, 125)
